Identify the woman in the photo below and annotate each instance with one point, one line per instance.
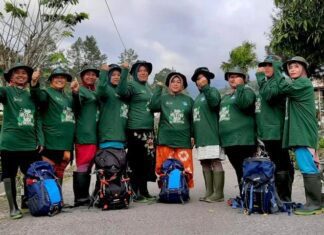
(301, 130)
(140, 154)
(18, 143)
(86, 135)
(237, 122)
(270, 115)
(57, 116)
(175, 126)
(205, 123)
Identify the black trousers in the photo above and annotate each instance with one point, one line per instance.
(12, 160)
(236, 156)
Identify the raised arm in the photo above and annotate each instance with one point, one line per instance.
(155, 103)
(124, 89)
(39, 96)
(212, 95)
(245, 96)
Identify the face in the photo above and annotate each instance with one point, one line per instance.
(234, 80)
(142, 74)
(115, 77)
(268, 70)
(19, 77)
(176, 85)
(296, 70)
(201, 81)
(89, 78)
(58, 82)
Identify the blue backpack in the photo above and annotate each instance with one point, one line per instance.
(43, 191)
(259, 193)
(174, 186)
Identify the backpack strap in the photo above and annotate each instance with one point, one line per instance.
(250, 210)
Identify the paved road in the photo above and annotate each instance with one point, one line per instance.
(192, 218)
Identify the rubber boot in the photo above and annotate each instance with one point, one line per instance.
(208, 178)
(218, 183)
(284, 185)
(313, 187)
(81, 184)
(142, 194)
(10, 188)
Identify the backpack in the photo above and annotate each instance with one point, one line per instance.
(112, 189)
(173, 182)
(259, 193)
(43, 191)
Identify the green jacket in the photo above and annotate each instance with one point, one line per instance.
(205, 117)
(19, 128)
(113, 110)
(87, 114)
(301, 127)
(138, 95)
(236, 117)
(269, 107)
(57, 114)
(175, 126)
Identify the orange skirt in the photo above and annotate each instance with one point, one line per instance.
(183, 155)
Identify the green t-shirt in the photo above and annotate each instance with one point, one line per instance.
(175, 126)
(113, 111)
(87, 115)
(205, 117)
(19, 120)
(57, 116)
(236, 118)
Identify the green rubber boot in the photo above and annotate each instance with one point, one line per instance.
(218, 184)
(10, 188)
(208, 178)
(313, 187)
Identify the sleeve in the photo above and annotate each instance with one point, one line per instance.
(212, 95)
(155, 103)
(245, 97)
(3, 94)
(39, 130)
(40, 97)
(293, 89)
(102, 89)
(77, 102)
(124, 89)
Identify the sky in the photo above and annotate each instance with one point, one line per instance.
(179, 34)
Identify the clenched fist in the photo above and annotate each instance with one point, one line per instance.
(75, 86)
(35, 77)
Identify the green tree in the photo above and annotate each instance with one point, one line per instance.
(129, 56)
(242, 56)
(31, 29)
(298, 28)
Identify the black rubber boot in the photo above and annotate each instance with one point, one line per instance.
(144, 191)
(10, 188)
(313, 188)
(284, 185)
(81, 184)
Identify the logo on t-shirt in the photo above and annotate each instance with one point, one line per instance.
(258, 105)
(123, 111)
(224, 114)
(25, 118)
(176, 117)
(67, 115)
(196, 114)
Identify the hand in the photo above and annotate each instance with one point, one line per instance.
(40, 148)
(104, 67)
(125, 65)
(239, 81)
(202, 82)
(35, 77)
(260, 70)
(75, 86)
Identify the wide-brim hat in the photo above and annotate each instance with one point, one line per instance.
(235, 70)
(89, 69)
(297, 59)
(202, 70)
(138, 63)
(60, 72)
(172, 74)
(269, 60)
(29, 70)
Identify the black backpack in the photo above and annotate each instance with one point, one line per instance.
(112, 189)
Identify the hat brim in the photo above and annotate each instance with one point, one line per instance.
(96, 71)
(208, 75)
(229, 73)
(183, 77)
(29, 70)
(66, 75)
(264, 63)
(148, 65)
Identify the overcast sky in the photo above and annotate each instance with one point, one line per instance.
(183, 34)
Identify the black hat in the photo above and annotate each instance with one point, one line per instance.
(60, 72)
(204, 71)
(113, 67)
(148, 65)
(29, 70)
(183, 77)
(88, 68)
